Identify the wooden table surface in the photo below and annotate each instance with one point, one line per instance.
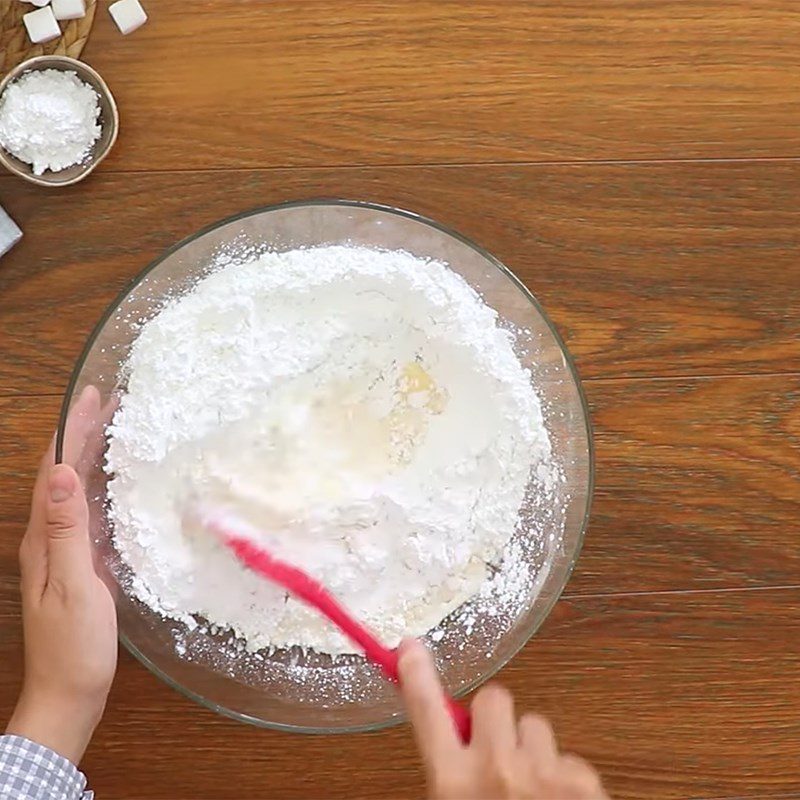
(637, 163)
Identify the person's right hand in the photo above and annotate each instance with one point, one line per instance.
(505, 759)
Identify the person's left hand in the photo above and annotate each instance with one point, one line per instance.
(68, 613)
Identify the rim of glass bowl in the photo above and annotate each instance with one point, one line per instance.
(554, 597)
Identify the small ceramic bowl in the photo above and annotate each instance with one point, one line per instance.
(109, 122)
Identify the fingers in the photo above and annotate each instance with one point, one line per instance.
(503, 759)
(537, 740)
(33, 549)
(493, 722)
(36, 544)
(425, 702)
(81, 422)
(580, 781)
(93, 438)
(69, 555)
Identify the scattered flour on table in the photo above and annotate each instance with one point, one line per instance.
(362, 410)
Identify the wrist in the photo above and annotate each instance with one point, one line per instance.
(65, 726)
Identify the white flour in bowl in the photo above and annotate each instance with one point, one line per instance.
(362, 409)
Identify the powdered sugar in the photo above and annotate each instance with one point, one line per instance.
(364, 410)
(49, 119)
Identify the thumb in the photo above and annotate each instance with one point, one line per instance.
(69, 555)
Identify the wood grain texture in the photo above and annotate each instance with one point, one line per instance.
(696, 483)
(673, 697)
(671, 661)
(248, 83)
(26, 426)
(650, 270)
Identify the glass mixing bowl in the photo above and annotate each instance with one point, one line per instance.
(310, 692)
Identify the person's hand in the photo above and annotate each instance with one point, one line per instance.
(68, 614)
(505, 758)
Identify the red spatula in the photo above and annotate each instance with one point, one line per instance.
(305, 588)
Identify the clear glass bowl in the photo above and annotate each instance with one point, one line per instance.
(309, 692)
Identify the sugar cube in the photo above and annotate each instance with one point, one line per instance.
(42, 25)
(128, 14)
(69, 9)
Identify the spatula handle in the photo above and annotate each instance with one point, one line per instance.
(305, 588)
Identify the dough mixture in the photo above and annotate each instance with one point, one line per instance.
(362, 410)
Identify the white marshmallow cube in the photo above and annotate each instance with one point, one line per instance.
(39, 3)
(42, 25)
(69, 9)
(128, 14)
(10, 233)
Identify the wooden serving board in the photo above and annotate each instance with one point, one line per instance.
(16, 47)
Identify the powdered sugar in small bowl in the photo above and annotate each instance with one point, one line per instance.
(79, 111)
